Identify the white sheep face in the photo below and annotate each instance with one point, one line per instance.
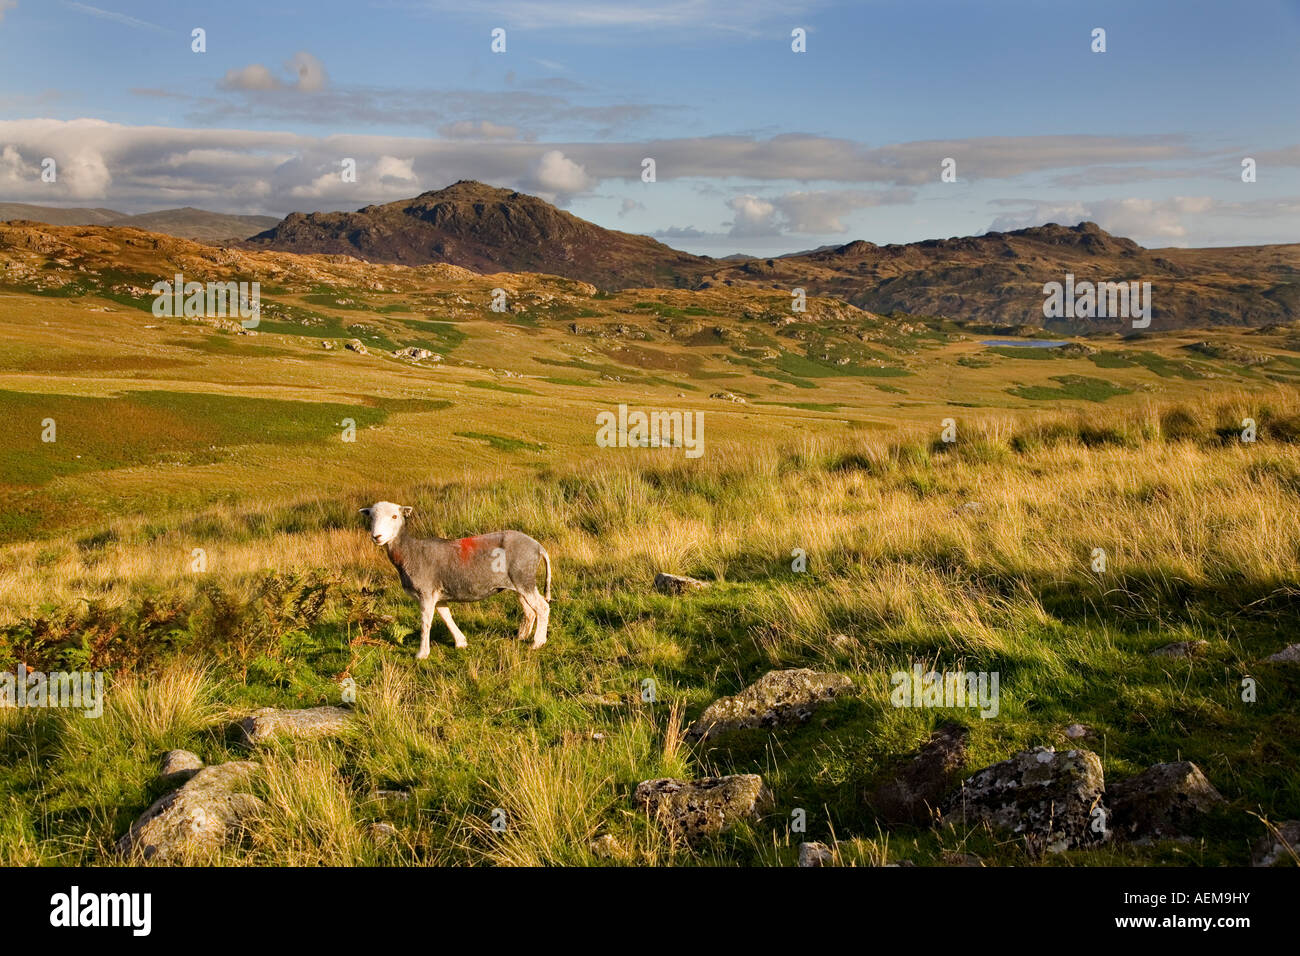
(386, 520)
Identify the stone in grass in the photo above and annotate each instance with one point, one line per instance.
(210, 811)
(705, 807)
(914, 795)
(777, 699)
(1280, 845)
(1048, 798)
(1161, 801)
(1288, 655)
(382, 834)
(607, 847)
(178, 766)
(815, 854)
(308, 724)
(1182, 649)
(677, 583)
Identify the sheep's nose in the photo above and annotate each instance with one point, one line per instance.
(375, 537)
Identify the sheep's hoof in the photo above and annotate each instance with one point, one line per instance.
(422, 655)
(537, 644)
(463, 644)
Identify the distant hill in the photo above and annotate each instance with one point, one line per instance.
(487, 229)
(185, 222)
(998, 278)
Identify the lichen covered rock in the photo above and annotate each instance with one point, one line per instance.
(710, 805)
(1046, 797)
(777, 699)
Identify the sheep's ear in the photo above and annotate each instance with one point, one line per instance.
(364, 511)
(406, 511)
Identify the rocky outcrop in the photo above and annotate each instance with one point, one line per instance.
(308, 724)
(1161, 801)
(210, 811)
(1048, 798)
(916, 794)
(777, 699)
(692, 809)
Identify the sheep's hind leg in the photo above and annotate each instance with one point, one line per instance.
(543, 611)
(529, 620)
(445, 613)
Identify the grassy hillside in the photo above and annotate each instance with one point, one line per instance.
(179, 434)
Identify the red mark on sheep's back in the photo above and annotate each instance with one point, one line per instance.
(467, 547)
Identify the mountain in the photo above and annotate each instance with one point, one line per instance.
(997, 278)
(57, 216)
(487, 229)
(185, 222)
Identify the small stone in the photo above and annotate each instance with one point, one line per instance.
(308, 724)
(815, 854)
(607, 847)
(677, 584)
(1075, 731)
(1182, 649)
(1282, 846)
(1288, 655)
(383, 833)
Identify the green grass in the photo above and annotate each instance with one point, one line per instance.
(502, 443)
(141, 427)
(1072, 387)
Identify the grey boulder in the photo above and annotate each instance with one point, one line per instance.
(705, 807)
(210, 811)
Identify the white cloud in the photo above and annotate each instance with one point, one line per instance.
(308, 71)
(753, 217)
(557, 177)
(1137, 218)
(252, 77)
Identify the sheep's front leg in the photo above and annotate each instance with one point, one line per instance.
(445, 613)
(427, 604)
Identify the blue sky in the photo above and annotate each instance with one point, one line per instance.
(758, 149)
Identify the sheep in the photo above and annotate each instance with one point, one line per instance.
(438, 570)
